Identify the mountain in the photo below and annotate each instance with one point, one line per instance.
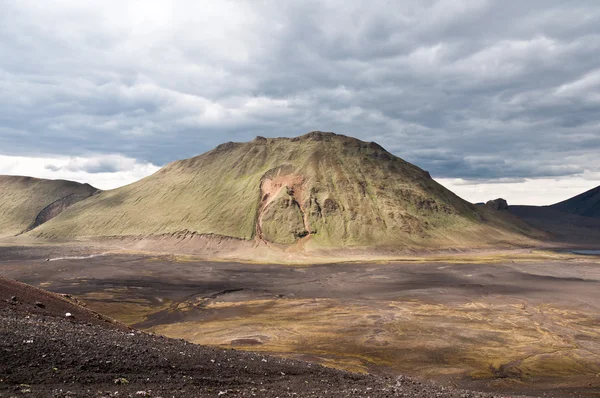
(320, 190)
(562, 227)
(586, 204)
(27, 202)
(575, 221)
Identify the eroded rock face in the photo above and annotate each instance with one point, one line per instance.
(283, 220)
(281, 217)
(498, 204)
(55, 208)
(58, 206)
(330, 206)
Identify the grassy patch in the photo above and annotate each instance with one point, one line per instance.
(475, 340)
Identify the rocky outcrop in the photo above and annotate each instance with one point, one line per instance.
(283, 220)
(281, 217)
(498, 204)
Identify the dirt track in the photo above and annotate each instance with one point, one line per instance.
(512, 325)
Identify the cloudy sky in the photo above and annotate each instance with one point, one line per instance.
(493, 98)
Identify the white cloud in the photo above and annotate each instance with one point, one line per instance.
(508, 58)
(101, 171)
(581, 87)
(530, 191)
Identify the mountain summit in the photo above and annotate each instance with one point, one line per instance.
(319, 190)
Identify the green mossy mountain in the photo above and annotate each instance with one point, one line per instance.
(26, 202)
(322, 190)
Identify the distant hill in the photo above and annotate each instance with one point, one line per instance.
(574, 221)
(320, 190)
(586, 204)
(563, 227)
(27, 202)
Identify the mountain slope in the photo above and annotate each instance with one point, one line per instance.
(562, 227)
(575, 221)
(30, 300)
(586, 204)
(318, 190)
(27, 202)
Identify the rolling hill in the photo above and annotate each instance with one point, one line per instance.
(575, 221)
(27, 202)
(586, 204)
(320, 190)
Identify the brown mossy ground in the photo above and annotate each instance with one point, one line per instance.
(477, 340)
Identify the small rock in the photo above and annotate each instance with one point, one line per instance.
(69, 315)
(13, 298)
(40, 304)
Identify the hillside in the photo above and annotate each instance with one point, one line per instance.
(46, 354)
(575, 221)
(586, 204)
(26, 202)
(31, 300)
(320, 190)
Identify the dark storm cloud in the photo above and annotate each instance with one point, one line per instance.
(475, 89)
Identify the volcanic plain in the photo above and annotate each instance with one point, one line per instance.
(519, 321)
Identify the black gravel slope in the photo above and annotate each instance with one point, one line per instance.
(43, 356)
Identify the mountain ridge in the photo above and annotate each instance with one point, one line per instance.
(586, 204)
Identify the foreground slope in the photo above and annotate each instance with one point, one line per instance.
(47, 355)
(320, 190)
(26, 202)
(26, 299)
(586, 204)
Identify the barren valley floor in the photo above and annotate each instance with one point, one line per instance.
(522, 322)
